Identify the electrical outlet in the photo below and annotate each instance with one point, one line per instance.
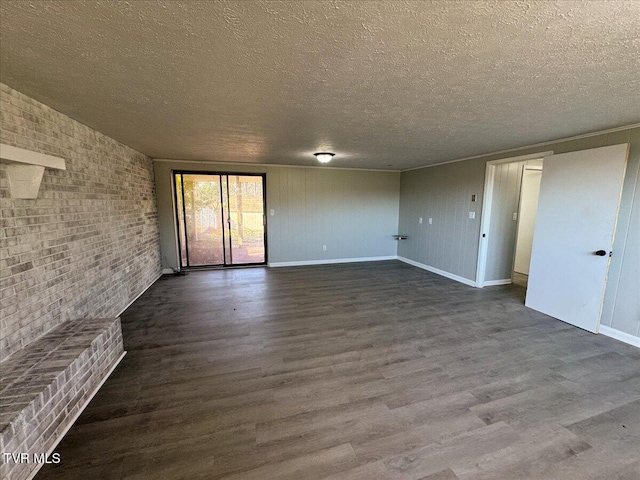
(472, 215)
(515, 215)
(420, 221)
(324, 247)
(430, 220)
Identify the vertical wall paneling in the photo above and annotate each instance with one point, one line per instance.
(353, 212)
(621, 309)
(443, 193)
(431, 188)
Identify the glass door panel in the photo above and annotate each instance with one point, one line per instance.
(182, 235)
(246, 213)
(220, 219)
(203, 228)
(228, 254)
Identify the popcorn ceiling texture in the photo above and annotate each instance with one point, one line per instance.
(400, 83)
(88, 245)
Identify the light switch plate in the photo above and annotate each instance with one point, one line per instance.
(472, 214)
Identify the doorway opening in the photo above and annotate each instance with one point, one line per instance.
(576, 218)
(508, 217)
(220, 219)
(526, 220)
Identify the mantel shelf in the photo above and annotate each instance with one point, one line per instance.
(25, 169)
(15, 155)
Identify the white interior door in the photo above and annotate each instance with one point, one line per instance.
(577, 211)
(529, 193)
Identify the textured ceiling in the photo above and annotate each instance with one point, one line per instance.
(392, 84)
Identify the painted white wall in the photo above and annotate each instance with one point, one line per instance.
(529, 192)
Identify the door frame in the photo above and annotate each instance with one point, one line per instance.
(487, 203)
(175, 172)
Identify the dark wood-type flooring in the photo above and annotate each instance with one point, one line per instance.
(355, 371)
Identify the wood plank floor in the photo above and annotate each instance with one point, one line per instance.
(360, 371)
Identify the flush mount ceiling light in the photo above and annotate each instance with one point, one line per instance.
(324, 157)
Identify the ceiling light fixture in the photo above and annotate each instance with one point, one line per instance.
(324, 157)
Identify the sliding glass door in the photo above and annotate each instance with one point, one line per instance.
(220, 219)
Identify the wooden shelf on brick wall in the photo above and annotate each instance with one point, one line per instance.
(25, 169)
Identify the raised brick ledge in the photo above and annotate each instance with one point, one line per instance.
(46, 384)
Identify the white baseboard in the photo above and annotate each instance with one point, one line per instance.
(167, 271)
(77, 415)
(140, 294)
(437, 271)
(491, 283)
(330, 261)
(618, 335)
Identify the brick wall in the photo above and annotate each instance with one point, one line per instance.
(88, 245)
(46, 386)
